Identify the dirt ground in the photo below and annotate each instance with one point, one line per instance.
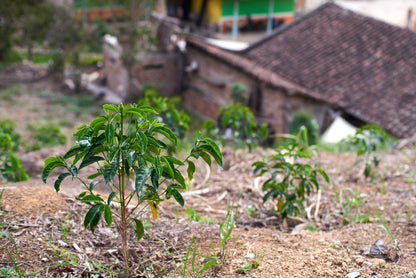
(332, 240)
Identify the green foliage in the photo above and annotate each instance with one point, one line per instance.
(125, 144)
(305, 119)
(7, 127)
(238, 92)
(237, 127)
(387, 230)
(289, 179)
(11, 169)
(167, 109)
(48, 135)
(350, 202)
(367, 140)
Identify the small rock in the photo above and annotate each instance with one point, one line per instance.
(366, 264)
(44, 260)
(353, 274)
(89, 250)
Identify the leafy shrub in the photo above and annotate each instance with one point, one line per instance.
(304, 119)
(10, 168)
(167, 109)
(7, 127)
(237, 126)
(126, 144)
(48, 135)
(289, 179)
(238, 92)
(367, 140)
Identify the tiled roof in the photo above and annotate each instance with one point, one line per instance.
(361, 65)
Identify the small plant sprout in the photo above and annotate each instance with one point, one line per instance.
(127, 146)
(367, 140)
(387, 230)
(289, 180)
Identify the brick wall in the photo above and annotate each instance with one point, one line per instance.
(208, 90)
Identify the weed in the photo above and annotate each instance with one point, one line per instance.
(387, 230)
(289, 181)
(194, 217)
(124, 144)
(252, 211)
(408, 215)
(351, 202)
(336, 244)
(312, 228)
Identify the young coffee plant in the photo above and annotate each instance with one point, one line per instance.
(127, 148)
(237, 126)
(367, 140)
(168, 112)
(289, 179)
(11, 170)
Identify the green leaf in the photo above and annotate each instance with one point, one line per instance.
(139, 229)
(168, 167)
(110, 172)
(92, 198)
(213, 153)
(158, 166)
(323, 173)
(111, 197)
(82, 194)
(59, 181)
(205, 157)
(93, 176)
(143, 141)
(108, 215)
(111, 107)
(179, 178)
(142, 174)
(148, 109)
(93, 184)
(74, 171)
(50, 164)
(174, 160)
(73, 151)
(90, 217)
(191, 169)
(178, 197)
(216, 150)
(90, 160)
(109, 133)
(167, 133)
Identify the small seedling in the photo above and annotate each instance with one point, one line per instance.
(367, 140)
(387, 230)
(289, 180)
(126, 145)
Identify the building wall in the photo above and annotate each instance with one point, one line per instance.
(208, 89)
(210, 83)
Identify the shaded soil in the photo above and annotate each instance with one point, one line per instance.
(331, 240)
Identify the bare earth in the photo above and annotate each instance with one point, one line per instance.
(329, 242)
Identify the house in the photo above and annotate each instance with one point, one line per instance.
(222, 13)
(328, 62)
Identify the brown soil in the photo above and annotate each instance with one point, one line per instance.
(330, 241)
